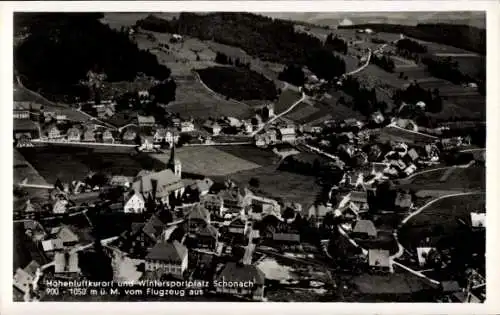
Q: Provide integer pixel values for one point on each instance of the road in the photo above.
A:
(416, 212)
(302, 98)
(84, 143)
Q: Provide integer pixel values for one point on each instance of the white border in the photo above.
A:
(490, 307)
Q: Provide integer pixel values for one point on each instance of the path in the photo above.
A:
(63, 141)
(303, 97)
(393, 125)
(414, 213)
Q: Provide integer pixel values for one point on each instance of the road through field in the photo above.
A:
(416, 212)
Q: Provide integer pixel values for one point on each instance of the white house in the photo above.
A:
(134, 204)
(478, 219)
(287, 134)
(187, 126)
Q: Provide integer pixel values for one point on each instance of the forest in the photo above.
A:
(61, 48)
(262, 37)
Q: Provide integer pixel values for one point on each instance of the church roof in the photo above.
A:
(166, 182)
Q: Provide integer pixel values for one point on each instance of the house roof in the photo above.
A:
(166, 183)
(359, 196)
(478, 219)
(66, 262)
(403, 200)
(52, 244)
(204, 184)
(173, 252)
(294, 237)
(413, 154)
(237, 272)
(237, 221)
(32, 267)
(22, 280)
(421, 252)
(366, 227)
(141, 198)
(379, 258)
(73, 131)
(208, 230)
(198, 211)
(145, 119)
(154, 226)
(67, 235)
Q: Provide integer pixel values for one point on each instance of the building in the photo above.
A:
(147, 143)
(120, 180)
(286, 237)
(213, 203)
(364, 229)
(129, 136)
(24, 278)
(317, 213)
(74, 134)
(237, 226)
(197, 217)
(52, 245)
(187, 126)
(207, 237)
(160, 185)
(171, 137)
(168, 257)
(241, 280)
(108, 136)
(478, 220)
(287, 134)
(65, 234)
(145, 121)
(21, 113)
(53, 132)
(360, 199)
(403, 201)
(89, 135)
(212, 127)
(379, 259)
(60, 206)
(66, 264)
(422, 254)
(134, 204)
(232, 201)
(202, 186)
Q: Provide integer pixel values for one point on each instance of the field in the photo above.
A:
(440, 220)
(207, 160)
(397, 283)
(72, 163)
(278, 184)
(250, 153)
(398, 134)
(193, 99)
(458, 180)
(285, 100)
(23, 170)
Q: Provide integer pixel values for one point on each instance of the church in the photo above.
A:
(163, 184)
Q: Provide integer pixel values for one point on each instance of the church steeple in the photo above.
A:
(174, 164)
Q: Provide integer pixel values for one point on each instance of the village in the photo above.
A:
(252, 207)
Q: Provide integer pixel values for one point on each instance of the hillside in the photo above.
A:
(262, 37)
(461, 36)
(238, 83)
(60, 49)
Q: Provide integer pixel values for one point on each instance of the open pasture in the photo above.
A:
(278, 184)
(194, 99)
(208, 160)
(456, 179)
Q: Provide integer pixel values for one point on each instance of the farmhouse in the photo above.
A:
(365, 229)
(74, 134)
(66, 263)
(168, 257)
(241, 280)
(134, 204)
(145, 121)
(212, 127)
(287, 134)
(379, 259)
(187, 126)
(53, 132)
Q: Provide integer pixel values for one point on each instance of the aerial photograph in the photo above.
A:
(249, 156)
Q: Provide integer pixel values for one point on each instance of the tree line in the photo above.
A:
(384, 62)
(336, 43)
(62, 47)
(364, 99)
(415, 93)
(224, 59)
